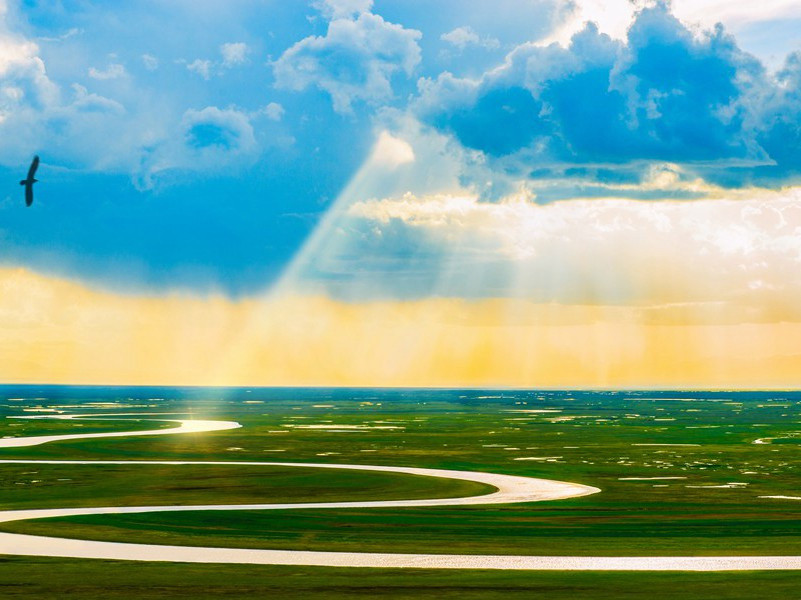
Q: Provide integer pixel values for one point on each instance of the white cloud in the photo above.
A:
(234, 53)
(22, 69)
(211, 140)
(335, 9)
(273, 111)
(391, 151)
(112, 71)
(613, 17)
(72, 32)
(76, 128)
(354, 61)
(608, 250)
(225, 129)
(85, 101)
(151, 62)
(201, 67)
(462, 37)
(735, 14)
(26, 92)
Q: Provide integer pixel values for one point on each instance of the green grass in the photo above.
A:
(56, 579)
(31, 427)
(49, 486)
(594, 438)
(509, 530)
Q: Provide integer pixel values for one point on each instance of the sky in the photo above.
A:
(534, 193)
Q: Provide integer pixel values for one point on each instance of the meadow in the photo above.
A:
(681, 473)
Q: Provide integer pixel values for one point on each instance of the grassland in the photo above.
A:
(55, 579)
(702, 442)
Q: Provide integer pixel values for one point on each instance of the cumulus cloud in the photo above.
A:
(273, 111)
(462, 37)
(72, 32)
(598, 104)
(88, 102)
(81, 128)
(213, 128)
(36, 114)
(151, 62)
(601, 101)
(390, 151)
(201, 67)
(211, 140)
(354, 61)
(23, 77)
(233, 53)
(335, 9)
(75, 127)
(779, 126)
(613, 17)
(112, 71)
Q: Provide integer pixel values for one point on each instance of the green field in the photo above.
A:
(54, 579)
(702, 442)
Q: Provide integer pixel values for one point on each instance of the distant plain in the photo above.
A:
(680, 474)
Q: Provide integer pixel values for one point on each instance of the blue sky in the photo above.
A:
(198, 145)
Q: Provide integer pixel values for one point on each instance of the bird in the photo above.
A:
(29, 181)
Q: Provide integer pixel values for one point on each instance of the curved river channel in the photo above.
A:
(508, 489)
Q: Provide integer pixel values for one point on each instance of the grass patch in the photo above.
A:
(47, 579)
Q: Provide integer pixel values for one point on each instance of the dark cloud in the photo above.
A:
(500, 122)
(666, 94)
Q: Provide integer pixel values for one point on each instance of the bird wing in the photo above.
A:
(34, 166)
(28, 194)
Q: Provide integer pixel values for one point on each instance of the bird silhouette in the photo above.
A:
(29, 181)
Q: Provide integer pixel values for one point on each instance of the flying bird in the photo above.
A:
(28, 183)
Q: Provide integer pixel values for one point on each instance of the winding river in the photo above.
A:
(509, 489)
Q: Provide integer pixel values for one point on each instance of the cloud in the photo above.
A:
(733, 250)
(73, 127)
(779, 126)
(23, 78)
(226, 130)
(462, 37)
(87, 102)
(85, 130)
(201, 67)
(112, 71)
(390, 151)
(151, 62)
(597, 107)
(354, 61)
(336, 9)
(273, 111)
(665, 93)
(233, 53)
(209, 140)
(78, 129)
(72, 32)
(613, 17)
